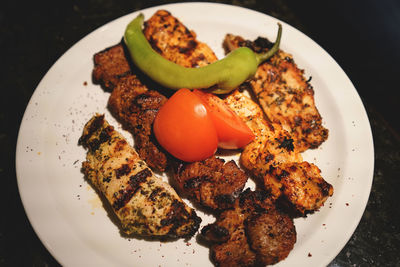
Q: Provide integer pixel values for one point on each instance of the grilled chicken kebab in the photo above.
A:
(275, 161)
(144, 204)
(284, 94)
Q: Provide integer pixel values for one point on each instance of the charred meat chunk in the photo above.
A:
(110, 65)
(252, 233)
(136, 107)
(212, 183)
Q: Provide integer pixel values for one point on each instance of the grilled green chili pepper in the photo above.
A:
(225, 74)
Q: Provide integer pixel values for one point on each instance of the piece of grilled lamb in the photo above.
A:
(212, 183)
(252, 233)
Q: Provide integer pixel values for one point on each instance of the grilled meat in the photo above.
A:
(169, 37)
(110, 65)
(253, 233)
(300, 184)
(275, 161)
(212, 183)
(144, 204)
(271, 146)
(284, 94)
(136, 107)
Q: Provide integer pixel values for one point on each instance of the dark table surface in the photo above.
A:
(362, 36)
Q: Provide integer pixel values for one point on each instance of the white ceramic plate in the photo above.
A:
(67, 214)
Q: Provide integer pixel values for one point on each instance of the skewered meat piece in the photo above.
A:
(143, 203)
(212, 183)
(253, 233)
(275, 161)
(284, 94)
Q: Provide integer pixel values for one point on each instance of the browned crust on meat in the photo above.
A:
(212, 183)
(299, 183)
(174, 41)
(110, 65)
(253, 233)
(273, 159)
(136, 107)
(285, 95)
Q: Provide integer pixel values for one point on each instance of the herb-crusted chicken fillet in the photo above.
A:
(275, 161)
(284, 94)
(175, 42)
(144, 204)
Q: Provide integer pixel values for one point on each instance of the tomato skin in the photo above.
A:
(182, 126)
(232, 132)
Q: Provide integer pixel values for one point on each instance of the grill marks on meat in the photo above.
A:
(300, 184)
(276, 162)
(136, 106)
(169, 37)
(131, 100)
(284, 94)
(212, 183)
(143, 203)
(252, 233)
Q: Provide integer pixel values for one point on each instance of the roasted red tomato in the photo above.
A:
(232, 132)
(182, 126)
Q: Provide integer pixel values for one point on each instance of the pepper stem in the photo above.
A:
(261, 57)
